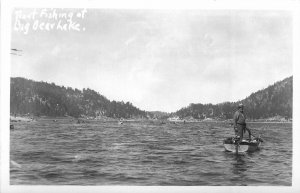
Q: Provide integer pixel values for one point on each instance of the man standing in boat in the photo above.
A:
(239, 122)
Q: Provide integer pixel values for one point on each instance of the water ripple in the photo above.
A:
(145, 153)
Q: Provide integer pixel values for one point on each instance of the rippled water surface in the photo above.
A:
(145, 153)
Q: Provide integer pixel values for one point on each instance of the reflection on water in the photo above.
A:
(239, 166)
(145, 153)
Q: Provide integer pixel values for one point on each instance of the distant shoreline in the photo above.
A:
(28, 118)
(22, 118)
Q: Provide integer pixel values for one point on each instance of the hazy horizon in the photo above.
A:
(161, 60)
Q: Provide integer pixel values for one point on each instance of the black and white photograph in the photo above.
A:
(149, 97)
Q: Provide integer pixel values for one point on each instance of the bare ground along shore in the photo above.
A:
(35, 118)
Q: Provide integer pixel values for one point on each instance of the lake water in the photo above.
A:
(145, 153)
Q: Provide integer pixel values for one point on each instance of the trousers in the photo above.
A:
(239, 131)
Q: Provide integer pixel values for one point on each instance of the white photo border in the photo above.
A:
(6, 13)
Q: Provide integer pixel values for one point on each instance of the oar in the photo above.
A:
(255, 136)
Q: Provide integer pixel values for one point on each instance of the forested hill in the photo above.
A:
(41, 98)
(275, 100)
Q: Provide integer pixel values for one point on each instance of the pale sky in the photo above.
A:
(162, 59)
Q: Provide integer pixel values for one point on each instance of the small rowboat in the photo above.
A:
(231, 145)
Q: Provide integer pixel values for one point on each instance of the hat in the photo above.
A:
(240, 105)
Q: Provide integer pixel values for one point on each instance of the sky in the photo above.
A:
(158, 59)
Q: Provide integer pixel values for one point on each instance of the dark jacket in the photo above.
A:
(239, 119)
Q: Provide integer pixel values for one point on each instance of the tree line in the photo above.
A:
(275, 100)
(42, 98)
